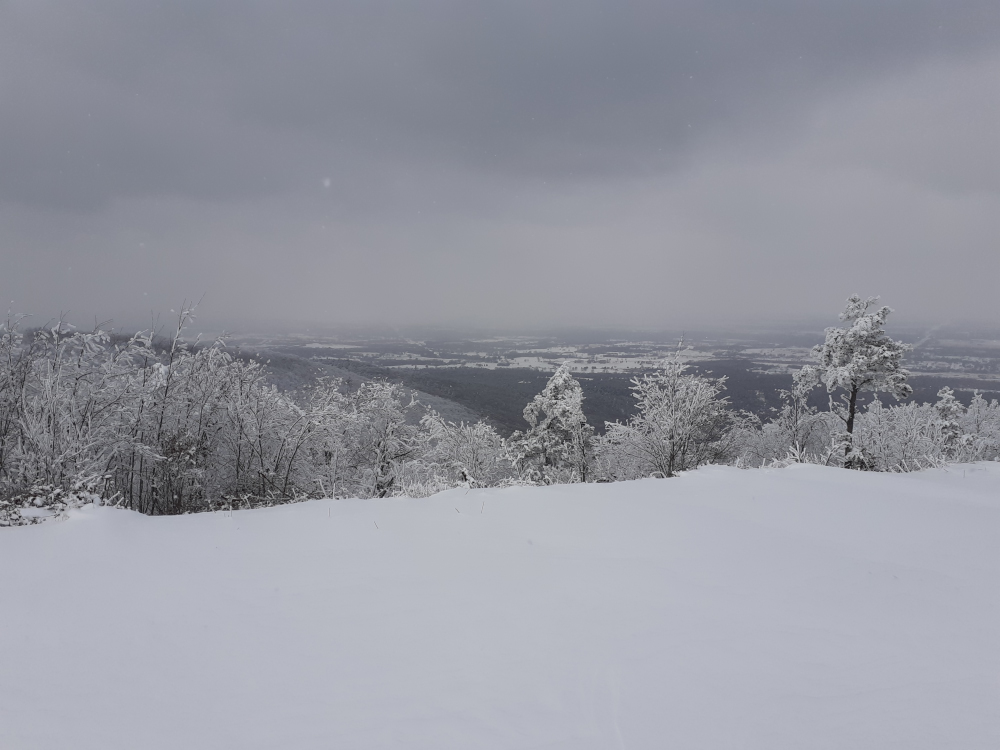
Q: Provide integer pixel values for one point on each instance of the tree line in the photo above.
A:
(168, 427)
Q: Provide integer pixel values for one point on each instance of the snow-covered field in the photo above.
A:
(792, 608)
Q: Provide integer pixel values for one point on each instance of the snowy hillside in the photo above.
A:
(792, 608)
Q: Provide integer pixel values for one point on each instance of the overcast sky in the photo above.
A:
(509, 163)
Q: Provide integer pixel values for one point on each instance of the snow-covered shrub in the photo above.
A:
(65, 394)
(682, 422)
(471, 455)
(799, 433)
(201, 425)
(159, 429)
(897, 438)
(913, 436)
(980, 425)
(44, 502)
(902, 437)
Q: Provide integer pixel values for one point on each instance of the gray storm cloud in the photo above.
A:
(499, 162)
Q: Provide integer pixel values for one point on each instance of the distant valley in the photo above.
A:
(466, 376)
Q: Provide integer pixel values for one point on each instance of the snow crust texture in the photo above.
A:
(791, 608)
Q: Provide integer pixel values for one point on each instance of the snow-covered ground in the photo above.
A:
(792, 608)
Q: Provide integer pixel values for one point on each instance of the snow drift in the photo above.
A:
(791, 608)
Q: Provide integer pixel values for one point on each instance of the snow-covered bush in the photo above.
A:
(980, 425)
(913, 436)
(43, 502)
(471, 455)
(64, 394)
(902, 437)
(682, 422)
(157, 428)
(799, 432)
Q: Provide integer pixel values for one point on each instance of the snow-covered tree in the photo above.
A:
(860, 357)
(949, 422)
(378, 437)
(555, 447)
(16, 369)
(681, 423)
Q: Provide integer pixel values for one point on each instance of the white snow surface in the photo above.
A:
(790, 608)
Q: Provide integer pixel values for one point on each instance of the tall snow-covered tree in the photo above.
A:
(860, 357)
(555, 447)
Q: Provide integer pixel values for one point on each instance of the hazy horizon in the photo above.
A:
(207, 327)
